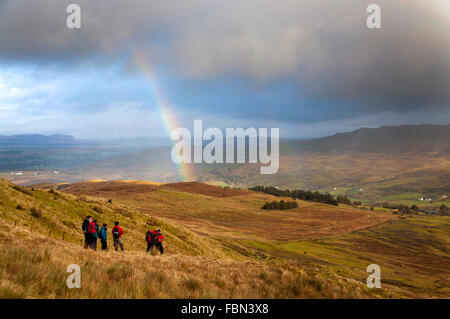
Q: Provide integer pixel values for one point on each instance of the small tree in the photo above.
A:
(343, 199)
(281, 205)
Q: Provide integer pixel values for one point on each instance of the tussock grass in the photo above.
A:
(221, 248)
(63, 218)
(36, 268)
(36, 212)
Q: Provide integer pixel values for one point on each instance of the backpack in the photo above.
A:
(102, 233)
(85, 225)
(155, 235)
(159, 238)
(116, 233)
(95, 234)
(149, 237)
(91, 228)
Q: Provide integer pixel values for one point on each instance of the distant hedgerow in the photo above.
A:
(281, 205)
(403, 209)
(343, 199)
(297, 194)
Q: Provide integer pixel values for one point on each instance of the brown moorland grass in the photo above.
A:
(413, 253)
(35, 267)
(239, 214)
(62, 215)
(108, 188)
(205, 189)
(217, 247)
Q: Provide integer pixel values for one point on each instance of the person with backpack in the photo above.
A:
(117, 233)
(93, 234)
(92, 230)
(84, 228)
(149, 240)
(155, 238)
(103, 235)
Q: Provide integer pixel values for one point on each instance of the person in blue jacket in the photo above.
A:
(102, 234)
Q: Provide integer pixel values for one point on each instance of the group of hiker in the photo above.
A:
(92, 232)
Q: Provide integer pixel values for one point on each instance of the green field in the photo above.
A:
(404, 196)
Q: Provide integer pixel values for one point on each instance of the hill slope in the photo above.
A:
(218, 212)
(384, 139)
(222, 247)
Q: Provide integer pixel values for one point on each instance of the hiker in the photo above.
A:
(84, 227)
(93, 234)
(117, 233)
(103, 235)
(154, 238)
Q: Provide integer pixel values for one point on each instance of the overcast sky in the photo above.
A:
(309, 67)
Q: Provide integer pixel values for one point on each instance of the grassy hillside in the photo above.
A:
(219, 244)
(62, 215)
(215, 211)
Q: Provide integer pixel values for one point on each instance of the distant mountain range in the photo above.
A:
(382, 139)
(36, 140)
(33, 140)
(380, 161)
(37, 152)
(385, 138)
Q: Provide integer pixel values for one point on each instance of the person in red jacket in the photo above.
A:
(93, 234)
(117, 233)
(155, 238)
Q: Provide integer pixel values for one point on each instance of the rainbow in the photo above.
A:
(163, 107)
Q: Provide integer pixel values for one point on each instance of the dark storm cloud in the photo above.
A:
(405, 65)
(322, 48)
